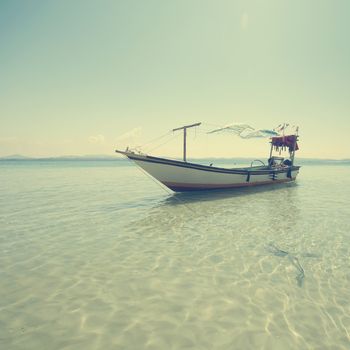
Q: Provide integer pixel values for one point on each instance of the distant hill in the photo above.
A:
(310, 161)
(228, 161)
(85, 157)
(14, 157)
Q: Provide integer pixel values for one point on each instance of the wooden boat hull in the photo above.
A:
(182, 176)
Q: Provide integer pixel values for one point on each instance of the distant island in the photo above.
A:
(54, 158)
(103, 157)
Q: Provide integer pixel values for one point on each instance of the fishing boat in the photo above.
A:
(182, 176)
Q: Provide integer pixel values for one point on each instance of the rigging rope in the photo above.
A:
(156, 139)
(147, 146)
(173, 137)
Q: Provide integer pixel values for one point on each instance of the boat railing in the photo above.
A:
(257, 160)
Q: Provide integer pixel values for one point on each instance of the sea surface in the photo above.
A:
(96, 255)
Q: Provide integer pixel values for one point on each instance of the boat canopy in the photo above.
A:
(284, 142)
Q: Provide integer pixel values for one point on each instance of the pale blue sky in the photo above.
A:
(77, 74)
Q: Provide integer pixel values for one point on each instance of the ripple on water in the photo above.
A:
(92, 260)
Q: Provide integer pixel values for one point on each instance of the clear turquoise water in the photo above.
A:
(94, 255)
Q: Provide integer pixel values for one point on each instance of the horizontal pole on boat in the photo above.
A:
(187, 126)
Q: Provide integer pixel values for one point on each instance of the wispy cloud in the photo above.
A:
(97, 139)
(130, 135)
(244, 21)
(130, 138)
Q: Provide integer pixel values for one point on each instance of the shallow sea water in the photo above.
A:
(95, 255)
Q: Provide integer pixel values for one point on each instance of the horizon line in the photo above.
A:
(117, 157)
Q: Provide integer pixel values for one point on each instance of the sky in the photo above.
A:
(86, 77)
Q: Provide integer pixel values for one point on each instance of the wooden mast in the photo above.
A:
(293, 152)
(185, 135)
(271, 149)
(294, 145)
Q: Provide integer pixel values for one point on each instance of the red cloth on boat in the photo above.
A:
(285, 141)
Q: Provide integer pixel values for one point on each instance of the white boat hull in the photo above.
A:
(182, 176)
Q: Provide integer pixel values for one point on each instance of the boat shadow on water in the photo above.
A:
(179, 198)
